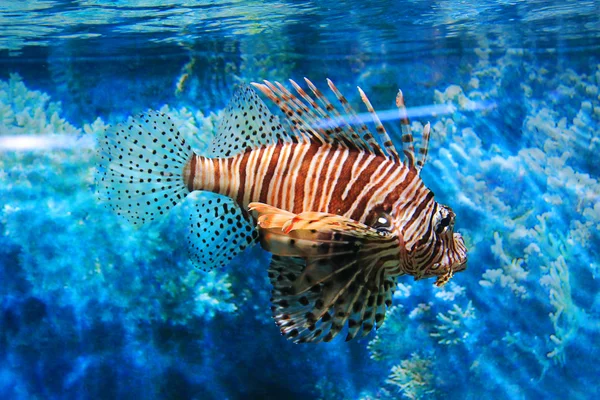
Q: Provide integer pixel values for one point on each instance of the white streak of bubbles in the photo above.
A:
(45, 142)
(412, 112)
(60, 142)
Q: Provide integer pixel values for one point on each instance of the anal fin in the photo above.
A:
(218, 231)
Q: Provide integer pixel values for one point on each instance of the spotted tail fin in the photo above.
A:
(140, 172)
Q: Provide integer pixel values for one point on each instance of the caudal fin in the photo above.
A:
(140, 175)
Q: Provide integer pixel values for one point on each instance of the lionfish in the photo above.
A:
(341, 213)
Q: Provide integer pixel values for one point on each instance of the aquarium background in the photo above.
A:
(92, 308)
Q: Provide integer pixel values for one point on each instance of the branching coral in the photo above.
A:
(413, 377)
(450, 292)
(566, 315)
(452, 328)
(212, 294)
(200, 129)
(76, 252)
(396, 321)
(511, 275)
(28, 112)
(400, 333)
(539, 201)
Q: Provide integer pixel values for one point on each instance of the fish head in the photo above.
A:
(447, 248)
(434, 249)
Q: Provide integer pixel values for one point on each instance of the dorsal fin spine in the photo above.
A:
(328, 106)
(309, 99)
(357, 142)
(330, 109)
(387, 143)
(358, 137)
(407, 138)
(269, 90)
(266, 90)
(314, 118)
(370, 145)
(284, 105)
(424, 149)
(337, 117)
(303, 112)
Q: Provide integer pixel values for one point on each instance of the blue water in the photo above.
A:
(92, 308)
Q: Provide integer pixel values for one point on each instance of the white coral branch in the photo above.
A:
(452, 329)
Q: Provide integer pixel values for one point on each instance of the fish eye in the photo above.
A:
(446, 220)
(382, 222)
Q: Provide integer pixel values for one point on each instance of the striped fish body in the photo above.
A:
(342, 214)
(303, 177)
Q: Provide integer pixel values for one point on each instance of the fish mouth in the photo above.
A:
(439, 269)
(460, 265)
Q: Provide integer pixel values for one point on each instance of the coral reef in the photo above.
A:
(28, 112)
(91, 307)
(511, 273)
(77, 261)
(413, 377)
(51, 192)
(565, 318)
(529, 211)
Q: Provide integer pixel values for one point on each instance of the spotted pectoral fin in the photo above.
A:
(314, 299)
(311, 234)
(327, 271)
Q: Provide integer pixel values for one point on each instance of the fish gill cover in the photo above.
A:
(91, 307)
